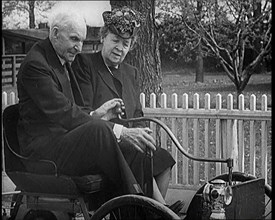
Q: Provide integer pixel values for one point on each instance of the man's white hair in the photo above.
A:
(63, 15)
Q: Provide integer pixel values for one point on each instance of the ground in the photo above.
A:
(181, 82)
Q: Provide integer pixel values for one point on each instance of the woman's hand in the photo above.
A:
(110, 109)
(139, 138)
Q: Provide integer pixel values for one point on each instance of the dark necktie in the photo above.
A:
(78, 98)
(67, 87)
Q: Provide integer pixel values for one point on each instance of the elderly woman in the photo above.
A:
(104, 75)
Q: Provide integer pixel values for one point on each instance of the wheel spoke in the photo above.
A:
(134, 207)
(266, 205)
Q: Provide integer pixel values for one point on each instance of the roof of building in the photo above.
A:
(28, 34)
(40, 34)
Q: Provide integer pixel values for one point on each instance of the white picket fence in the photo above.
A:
(10, 67)
(244, 134)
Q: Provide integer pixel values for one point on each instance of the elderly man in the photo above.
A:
(104, 75)
(52, 126)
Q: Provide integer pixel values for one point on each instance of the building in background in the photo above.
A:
(17, 42)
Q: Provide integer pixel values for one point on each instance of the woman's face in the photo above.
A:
(115, 49)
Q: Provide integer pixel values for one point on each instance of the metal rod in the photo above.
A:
(228, 161)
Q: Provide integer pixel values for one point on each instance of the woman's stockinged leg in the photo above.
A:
(156, 193)
(160, 185)
(162, 181)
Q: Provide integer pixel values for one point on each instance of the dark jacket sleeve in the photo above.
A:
(43, 89)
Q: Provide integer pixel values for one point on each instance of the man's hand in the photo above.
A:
(140, 138)
(110, 109)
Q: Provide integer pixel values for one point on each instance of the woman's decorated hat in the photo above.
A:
(123, 21)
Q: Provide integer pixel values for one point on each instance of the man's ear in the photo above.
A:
(55, 32)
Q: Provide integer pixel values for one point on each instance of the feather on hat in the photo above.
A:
(124, 21)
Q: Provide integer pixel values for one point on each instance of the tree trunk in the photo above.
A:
(199, 66)
(257, 44)
(145, 56)
(31, 15)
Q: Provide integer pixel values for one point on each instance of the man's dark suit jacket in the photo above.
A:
(46, 106)
(97, 85)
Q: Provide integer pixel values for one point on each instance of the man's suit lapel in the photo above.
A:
(75, 87)
(105, 74)
(60, 73)
(55, 64)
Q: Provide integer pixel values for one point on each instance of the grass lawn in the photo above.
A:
(181, 82)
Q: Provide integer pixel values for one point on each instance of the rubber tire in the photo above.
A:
(159, 210)
(39, 215)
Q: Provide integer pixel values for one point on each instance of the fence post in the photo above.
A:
(142, 100)
(185, 141)
(153, 104)
(264, 140)
(234, 152)
(3, 155)
(4, 104)
(232, 141)
(174, 149)
(227, 146)
(241, 135)
(13, 71)
(163, 137)
(218, 133)
(12, 99)
(252, 137)
(196, 173)
(4, 99)
(206, 135)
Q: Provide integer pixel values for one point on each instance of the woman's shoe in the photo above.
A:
(176, 207)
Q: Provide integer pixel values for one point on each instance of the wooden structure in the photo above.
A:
(20, 41)
(16, 43)
(244, 134)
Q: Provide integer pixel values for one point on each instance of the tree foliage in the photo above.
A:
(175, 40)
(24, 11)
(230, 30)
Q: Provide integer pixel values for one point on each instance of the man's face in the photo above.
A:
(69, 41)
(115, 49)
